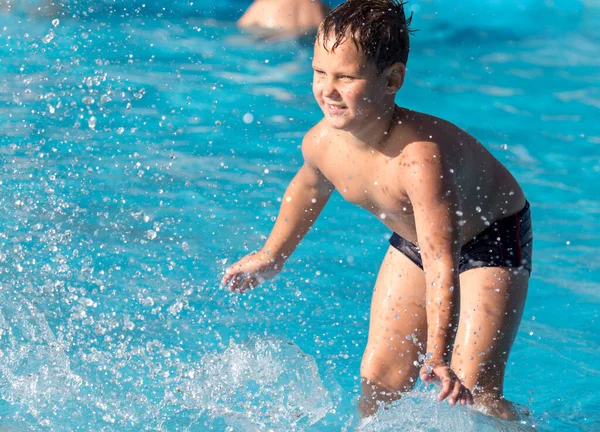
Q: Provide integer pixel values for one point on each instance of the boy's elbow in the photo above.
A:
(321, 191)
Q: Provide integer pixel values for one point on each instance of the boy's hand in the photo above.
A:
(250, 271)
(452, 388)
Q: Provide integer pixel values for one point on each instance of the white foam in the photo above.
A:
(34, 369)
(420, 411)
(264, 384)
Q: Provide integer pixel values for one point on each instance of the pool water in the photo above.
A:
(144, 148)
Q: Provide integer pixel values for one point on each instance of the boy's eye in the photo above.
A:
(347, 77)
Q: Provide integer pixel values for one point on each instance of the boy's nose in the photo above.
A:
(329, 89)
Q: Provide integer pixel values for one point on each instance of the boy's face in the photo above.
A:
(347, 87)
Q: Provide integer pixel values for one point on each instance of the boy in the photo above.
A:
(451, 290)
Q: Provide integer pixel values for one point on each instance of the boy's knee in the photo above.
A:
(387, 376)
(373, 395)
(378, 390)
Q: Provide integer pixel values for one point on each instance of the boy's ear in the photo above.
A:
(395, 77)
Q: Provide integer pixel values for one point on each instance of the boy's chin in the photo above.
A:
(339, 123)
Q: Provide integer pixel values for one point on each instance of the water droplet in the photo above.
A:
(48, 38)
(248, 118)
(504, 147)
(175, 308)
(151, 234)
(55, 22)
(478, 209)
(382, 216)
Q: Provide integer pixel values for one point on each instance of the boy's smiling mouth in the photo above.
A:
(335, 110)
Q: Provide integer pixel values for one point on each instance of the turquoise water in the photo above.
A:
(143, 148)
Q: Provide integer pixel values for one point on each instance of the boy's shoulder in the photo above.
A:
(315, 141)
(422, 136)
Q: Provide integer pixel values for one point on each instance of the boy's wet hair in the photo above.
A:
(378, 28)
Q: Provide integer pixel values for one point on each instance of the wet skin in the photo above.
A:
(438, 187)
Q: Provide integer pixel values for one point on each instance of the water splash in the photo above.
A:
(420, 411)
(263, 384)
(35, 372)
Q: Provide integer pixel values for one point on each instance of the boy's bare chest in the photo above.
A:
(372, 183)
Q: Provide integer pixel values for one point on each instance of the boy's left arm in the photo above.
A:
(431, 186)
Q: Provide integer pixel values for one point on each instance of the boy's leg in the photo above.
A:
(397, 332)
(491, 305)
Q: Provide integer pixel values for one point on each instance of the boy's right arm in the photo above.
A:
(305, 197)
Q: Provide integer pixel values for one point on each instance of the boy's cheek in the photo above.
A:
(318, 98)
(316, 92)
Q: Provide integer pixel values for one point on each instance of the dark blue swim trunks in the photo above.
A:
(505, 243)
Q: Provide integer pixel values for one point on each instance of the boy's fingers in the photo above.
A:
(247, 284)
(232, 285)
(452, 388)
(455, 393)
(234, 282)
(226, 278)
(446, 388)
(426, 376)
(229, 273)
(466, 397)
(242, 287)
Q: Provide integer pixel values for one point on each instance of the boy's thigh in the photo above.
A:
(398, 323)
(492, 300)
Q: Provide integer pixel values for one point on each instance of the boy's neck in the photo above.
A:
(375, 134)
